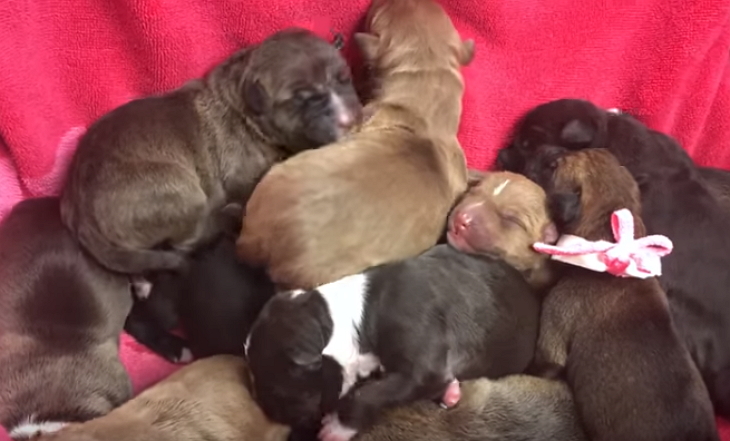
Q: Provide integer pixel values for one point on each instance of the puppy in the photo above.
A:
(424, 321)
(383, 193)
(679, 200)
(148, 176)
(208, 399)
(631, 376)
(61, 314)
(512, 408)
(504, 213)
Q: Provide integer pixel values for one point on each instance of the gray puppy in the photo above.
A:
(149, 178)
(512, 408)
(61, 314)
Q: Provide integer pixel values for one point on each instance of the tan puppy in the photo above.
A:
(631, 375)
(513, 408)
(206, 400)
(383, 193)
(504, 213)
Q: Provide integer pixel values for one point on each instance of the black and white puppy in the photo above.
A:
(423, 322)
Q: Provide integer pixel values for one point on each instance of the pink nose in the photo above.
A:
(462, 221)
(345, 118)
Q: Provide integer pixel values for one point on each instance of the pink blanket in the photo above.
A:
(66, 62)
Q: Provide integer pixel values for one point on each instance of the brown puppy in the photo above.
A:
(149, 178)
(512, 408)
(61, 314)
(208, 399)
(631, 376)
(504, 213)
(383, 193)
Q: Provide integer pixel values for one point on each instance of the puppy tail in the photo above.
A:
(127, 260)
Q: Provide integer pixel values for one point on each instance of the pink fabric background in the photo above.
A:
(66, 62)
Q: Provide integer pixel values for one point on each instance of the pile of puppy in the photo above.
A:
(339, 273)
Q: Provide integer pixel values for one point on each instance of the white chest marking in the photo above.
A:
(500, 187)
(345, 300)
(30, 427)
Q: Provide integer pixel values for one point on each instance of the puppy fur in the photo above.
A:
(503, 214)
(631, 376)
(686, 203)
(383, 193)
(424, 321)
(148, 175)
(512, 408)
(208, 399)
(61, 315)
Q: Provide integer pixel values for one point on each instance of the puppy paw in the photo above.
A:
(333, 430)
(141, 287)
(452, 395)
(186, 356)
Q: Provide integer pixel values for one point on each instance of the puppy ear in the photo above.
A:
(254, 96)
(466, 55)
(474, 177)
(509, 159)
(564, 208)
(578, 132)
(368, 44)
(549, 234)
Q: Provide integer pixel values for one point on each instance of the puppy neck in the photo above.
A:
(345, 300)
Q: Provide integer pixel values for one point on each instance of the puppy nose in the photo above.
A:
(344, 116)
(463, 221)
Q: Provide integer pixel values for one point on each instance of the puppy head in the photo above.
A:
(503, 213)
(584, 188)
(292, 382)
(569, 123)
(396, 27)
(297, 89)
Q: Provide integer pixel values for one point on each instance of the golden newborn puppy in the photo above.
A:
(383, 193)
(206, 400)
(504, 213)
(512, 408)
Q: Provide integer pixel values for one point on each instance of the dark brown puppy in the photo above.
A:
(512, 408)
(208, 399)
(61, 314)
(384, 193)
(630, 374)
(504, 213)
(679, 200)
(147, 176)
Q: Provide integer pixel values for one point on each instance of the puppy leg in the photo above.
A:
(141, 325)
(361, 407)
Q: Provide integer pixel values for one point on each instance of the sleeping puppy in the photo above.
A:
(424, 321)
(208, 399)
(61, 315)
(631, 376)
(149, 177)
(678, 201)
(512, 408)
(383, 193)
(503, 214)
(215, 300)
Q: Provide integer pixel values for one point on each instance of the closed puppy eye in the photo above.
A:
(513, 220)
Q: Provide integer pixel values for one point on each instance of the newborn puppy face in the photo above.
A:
(569, 123)
(299, 90)
(502, 213)
(584, 187)
(292, 382)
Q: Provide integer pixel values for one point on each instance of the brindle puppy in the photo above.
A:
(148, 176)
(504, 213)
(512, 408)
(630, 374)
(61, 314)
(688, 204)
(384, 193)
